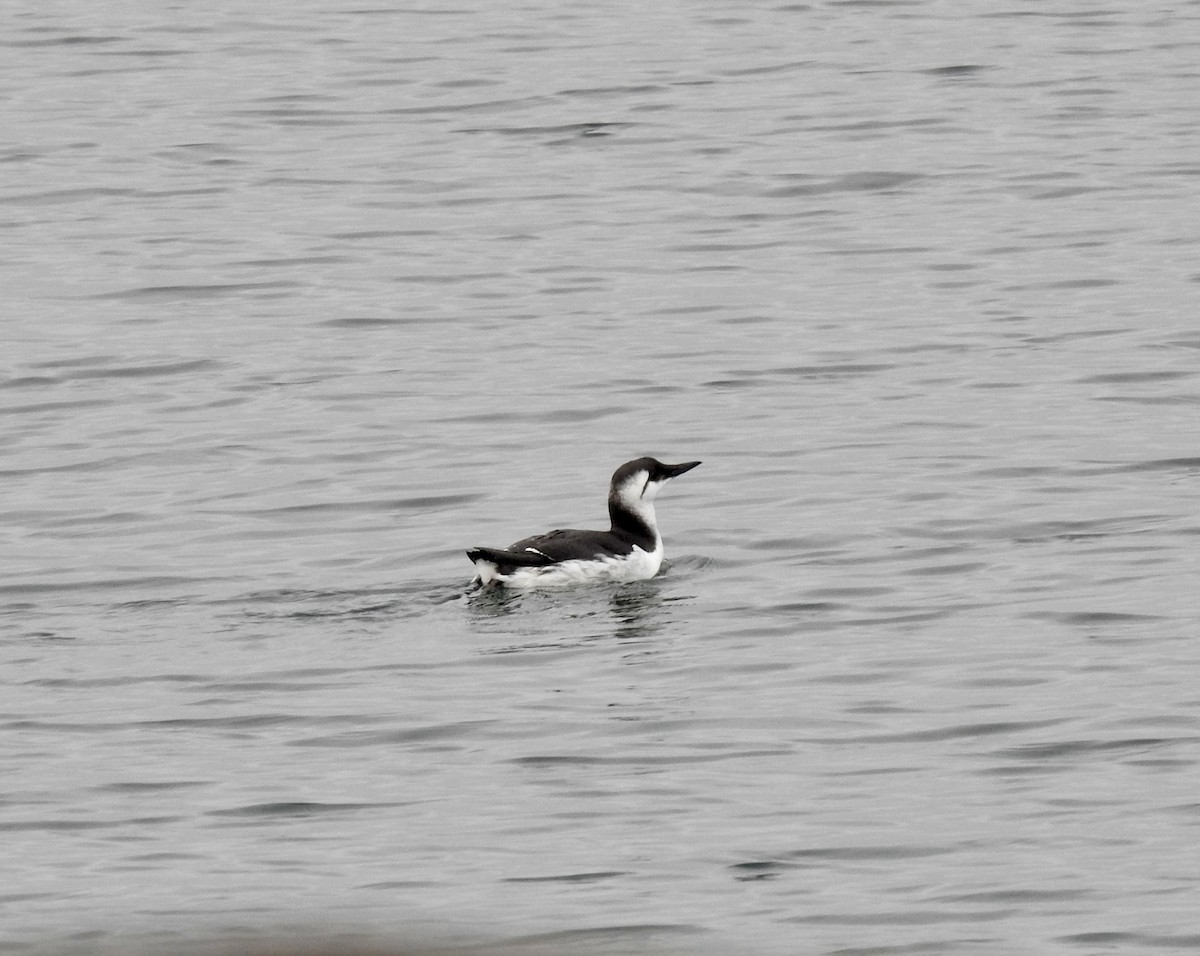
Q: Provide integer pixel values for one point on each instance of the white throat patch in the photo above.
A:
(636, 495)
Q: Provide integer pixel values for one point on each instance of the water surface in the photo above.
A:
(303, 300)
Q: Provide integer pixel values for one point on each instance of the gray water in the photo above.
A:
(302, 299)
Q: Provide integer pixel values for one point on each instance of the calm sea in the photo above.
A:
(303, 299)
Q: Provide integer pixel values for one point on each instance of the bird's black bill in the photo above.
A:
(674, 471)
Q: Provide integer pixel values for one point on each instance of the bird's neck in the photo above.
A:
(635, 521)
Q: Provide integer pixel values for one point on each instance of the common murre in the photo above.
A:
(630, 550)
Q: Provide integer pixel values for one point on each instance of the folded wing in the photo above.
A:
(505, 558)
(551, 548)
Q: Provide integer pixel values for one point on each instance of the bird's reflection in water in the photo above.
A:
(635, 613)
(485, 602)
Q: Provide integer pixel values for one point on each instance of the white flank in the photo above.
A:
(635, 566)
(487, 571)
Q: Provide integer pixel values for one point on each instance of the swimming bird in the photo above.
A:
(630, 550)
